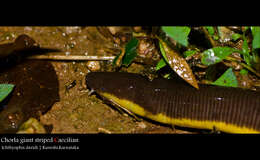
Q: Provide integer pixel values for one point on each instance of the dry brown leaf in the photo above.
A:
(179, 65)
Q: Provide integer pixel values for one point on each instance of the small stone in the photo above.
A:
(93, 65)
(67, 53)
(142, 125)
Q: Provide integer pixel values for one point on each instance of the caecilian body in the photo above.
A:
(227, 109)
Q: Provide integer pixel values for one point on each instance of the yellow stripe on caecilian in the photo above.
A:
(183, 122)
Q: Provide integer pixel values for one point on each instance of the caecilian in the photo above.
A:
(227, 109)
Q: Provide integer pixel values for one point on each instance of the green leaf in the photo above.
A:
(5, 90)
(167, 76)
(245, 48)
(227, 79)
(215, 55)
(245, 51)
(246, 28)
(235, 36)
(210, 30)
(160, 64)
(243, 72)
(216, 37)
(256, 37)
(255, 57)
(130, 51)
(189, 53)
(163, 52)
(180, 34)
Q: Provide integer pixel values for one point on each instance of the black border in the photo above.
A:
(148, 144)
(130, 13)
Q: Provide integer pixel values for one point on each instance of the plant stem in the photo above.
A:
(244, 65)
(212, 42)
(72, 57)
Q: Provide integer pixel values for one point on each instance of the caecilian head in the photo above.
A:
(94, 81)
(112, 82)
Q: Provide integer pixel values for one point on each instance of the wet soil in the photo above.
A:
(76, 111)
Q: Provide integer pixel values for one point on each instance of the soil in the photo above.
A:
(77, 111)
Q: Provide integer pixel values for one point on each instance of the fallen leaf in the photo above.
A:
(178, 64)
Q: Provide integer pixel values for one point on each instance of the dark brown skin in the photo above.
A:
(177, 99)
(22, 42)
(36, 90)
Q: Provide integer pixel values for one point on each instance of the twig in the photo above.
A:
(87, 58)
(72, 57)
(212, 42)
(103, 130)
(250, 69)
(244, 65)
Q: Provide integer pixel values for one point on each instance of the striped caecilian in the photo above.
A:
(227, 109)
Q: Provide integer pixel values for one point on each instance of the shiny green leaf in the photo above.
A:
(227, 79)
(130, 51)
(5, 90)
(236, 36)
(179, 34)
(189, 53)
(215, 55)
(256, 37)
(212, 33)
(210, 30)
(163, 53)
(160, 64)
